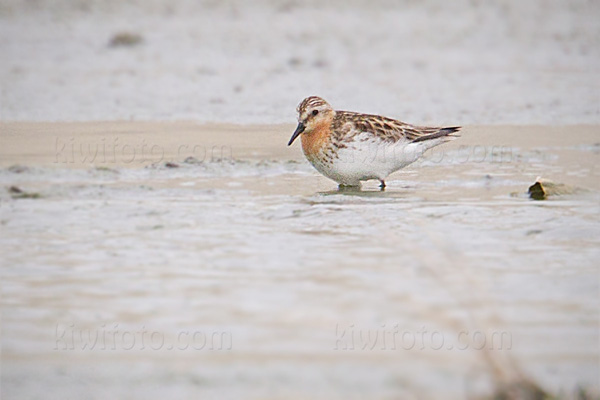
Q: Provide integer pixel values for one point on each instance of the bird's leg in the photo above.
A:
(382, 186)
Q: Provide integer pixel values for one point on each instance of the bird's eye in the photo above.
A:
(315, 112)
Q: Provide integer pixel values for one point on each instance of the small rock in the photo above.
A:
(533, 232)
(192, 160)
(170, 164)
(18, 193)
(542, 189)
(107, 169)
(295, 61)
(125, 39)
(18, 169)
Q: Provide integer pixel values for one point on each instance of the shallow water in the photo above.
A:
(285, 287)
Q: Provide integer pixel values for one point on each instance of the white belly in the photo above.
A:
(367, 157)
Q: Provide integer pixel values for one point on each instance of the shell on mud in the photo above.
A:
(542, 189)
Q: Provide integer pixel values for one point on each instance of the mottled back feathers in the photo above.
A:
(347, 124)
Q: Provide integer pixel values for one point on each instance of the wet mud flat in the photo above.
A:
(146, 260)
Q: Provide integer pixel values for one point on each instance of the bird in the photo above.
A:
(349, 147)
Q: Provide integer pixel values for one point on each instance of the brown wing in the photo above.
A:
(389, 130)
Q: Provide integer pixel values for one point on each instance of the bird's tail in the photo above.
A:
(443, 132)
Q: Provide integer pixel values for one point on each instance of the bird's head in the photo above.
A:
(312, 111)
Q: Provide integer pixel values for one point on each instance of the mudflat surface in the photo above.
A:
(242, 272)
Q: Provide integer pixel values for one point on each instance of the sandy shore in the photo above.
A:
(138, 144)
(247, 242)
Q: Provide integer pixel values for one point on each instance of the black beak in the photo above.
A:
(297, 133)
